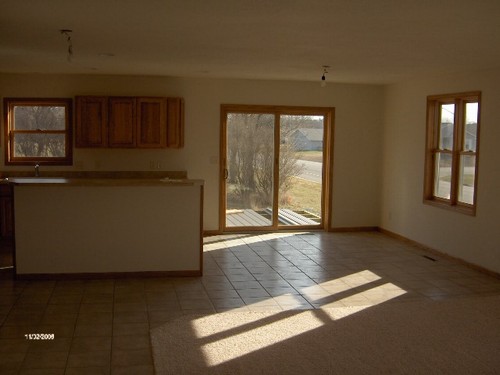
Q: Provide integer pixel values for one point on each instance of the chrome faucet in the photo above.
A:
(37, 170)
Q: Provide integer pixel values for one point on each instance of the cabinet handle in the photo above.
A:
(226, 173)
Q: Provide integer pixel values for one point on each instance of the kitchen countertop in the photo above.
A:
(63, 181)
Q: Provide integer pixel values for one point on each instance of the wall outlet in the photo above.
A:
(155, 165)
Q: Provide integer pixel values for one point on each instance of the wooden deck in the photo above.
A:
(289, 217)
(263, 218)
(246, 218)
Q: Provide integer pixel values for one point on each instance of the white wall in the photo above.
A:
(357, 145)
(473, 239)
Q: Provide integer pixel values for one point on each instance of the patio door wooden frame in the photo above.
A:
(328, 114)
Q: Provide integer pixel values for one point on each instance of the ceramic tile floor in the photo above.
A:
(102, 326)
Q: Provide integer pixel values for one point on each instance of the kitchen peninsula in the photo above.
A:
(88, 226)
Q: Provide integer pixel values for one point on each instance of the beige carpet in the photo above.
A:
(454, 336)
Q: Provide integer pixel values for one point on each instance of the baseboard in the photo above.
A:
(105, 275)
(407, 240)
(439, 253)
(208, 233)
(353, 229)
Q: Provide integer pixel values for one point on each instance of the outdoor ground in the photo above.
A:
(305, 195)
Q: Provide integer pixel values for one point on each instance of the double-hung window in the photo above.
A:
(38, 131)
(452, 148)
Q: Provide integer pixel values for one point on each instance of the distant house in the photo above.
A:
(308, 139)
(446, 136)
(470, 140)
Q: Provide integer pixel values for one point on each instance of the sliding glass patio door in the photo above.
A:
(274, 164)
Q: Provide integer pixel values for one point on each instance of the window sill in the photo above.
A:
(58, 162)
(461, 208)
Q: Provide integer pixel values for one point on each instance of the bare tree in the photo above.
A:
(37, 120)
(251, 158)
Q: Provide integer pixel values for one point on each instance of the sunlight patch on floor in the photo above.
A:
(221, 338)
(216, 243)
(255, 332)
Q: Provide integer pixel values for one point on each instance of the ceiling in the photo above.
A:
(363, 41)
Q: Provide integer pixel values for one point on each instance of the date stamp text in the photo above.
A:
(39, 336)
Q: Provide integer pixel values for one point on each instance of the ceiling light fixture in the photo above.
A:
(67, 34)
(323, 77)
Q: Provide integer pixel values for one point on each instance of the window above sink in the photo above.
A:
(38, 131)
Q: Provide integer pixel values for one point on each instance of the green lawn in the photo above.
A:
(304, 195)
(310, 155)
(468, 179)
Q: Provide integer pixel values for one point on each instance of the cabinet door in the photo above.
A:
(175, 123)
(6, 213)
(122, 122)
(91, 121)
(151, 122)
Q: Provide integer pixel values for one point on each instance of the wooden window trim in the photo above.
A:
(10, 103)
(432, 149)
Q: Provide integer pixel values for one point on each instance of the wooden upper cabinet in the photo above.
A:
(129, 122)
(175, 123)
(91, 121)
(151, 122)
(121, 122)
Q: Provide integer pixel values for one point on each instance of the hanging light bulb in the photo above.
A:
(323, 77)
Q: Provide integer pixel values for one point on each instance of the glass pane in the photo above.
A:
(39, 145)
(446, 126)
(470, 133)
(39, 118)
(250, 159)
(467, 177)
(300, 170)
(442, 176)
